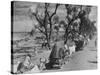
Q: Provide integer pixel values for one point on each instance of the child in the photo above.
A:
(42, 64)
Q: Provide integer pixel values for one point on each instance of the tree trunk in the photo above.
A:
(48, 41)
(66, 35)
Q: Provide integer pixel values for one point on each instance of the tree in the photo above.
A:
(44, 17)
(56, 19)
(78, 21)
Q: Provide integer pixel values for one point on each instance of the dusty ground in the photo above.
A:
(81, 60)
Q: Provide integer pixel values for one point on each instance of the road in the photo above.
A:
(82, 60)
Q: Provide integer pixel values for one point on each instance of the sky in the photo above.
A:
(23, 23)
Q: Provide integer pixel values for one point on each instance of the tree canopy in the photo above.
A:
(76, 21)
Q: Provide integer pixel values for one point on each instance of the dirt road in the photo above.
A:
(82, 60)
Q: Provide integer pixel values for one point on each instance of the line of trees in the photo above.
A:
(76, 22)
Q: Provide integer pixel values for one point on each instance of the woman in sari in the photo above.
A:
(25, 65)
(57, 53)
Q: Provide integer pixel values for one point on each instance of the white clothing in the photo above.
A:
(27, 61)
(72, 49)
(66, 47)
(34, 70)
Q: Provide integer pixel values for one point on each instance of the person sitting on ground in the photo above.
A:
(25, 65)
(42, 63)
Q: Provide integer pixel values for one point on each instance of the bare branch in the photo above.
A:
(37, 18)
(46, 7)
(54, 11)
(41, 30)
